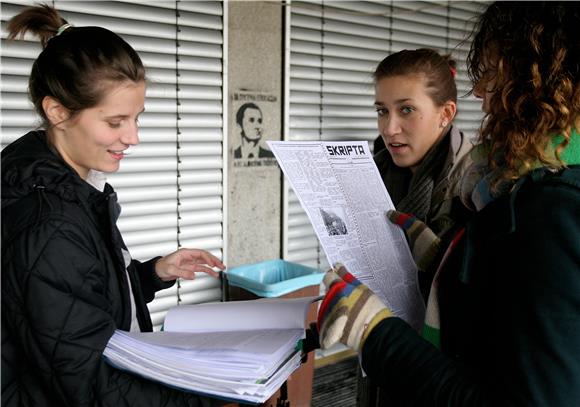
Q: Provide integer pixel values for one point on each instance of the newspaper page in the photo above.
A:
(341, 190)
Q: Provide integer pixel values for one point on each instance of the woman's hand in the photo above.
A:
(425, 246)
(185, 263)
(349, 311)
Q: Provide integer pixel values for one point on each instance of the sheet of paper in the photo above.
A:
(255, 342)
(280, 313)
(341, 190)
(249, 354)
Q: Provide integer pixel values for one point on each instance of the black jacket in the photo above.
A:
(509, 303)
(65, 288)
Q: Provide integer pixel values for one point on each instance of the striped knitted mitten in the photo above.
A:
(349, 310)
(424, 244)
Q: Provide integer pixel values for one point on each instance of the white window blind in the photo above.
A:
(334, 49)
(171, 187)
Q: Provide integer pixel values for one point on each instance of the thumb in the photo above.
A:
(401, 219)
(346, 275)
(423, 242)
(413, 227)
(330, 277)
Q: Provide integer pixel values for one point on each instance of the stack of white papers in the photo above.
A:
(242, 350)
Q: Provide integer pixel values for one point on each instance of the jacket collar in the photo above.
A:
(457, 141)
(476, 183)
(30, 164)
(399, 179)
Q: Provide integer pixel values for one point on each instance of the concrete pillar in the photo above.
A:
(255, 77)
(255, 52)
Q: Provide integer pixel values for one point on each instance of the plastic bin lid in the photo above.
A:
(273, 278)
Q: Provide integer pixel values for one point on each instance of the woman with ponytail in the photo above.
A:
(68, 281)
(423, 154)
(423, 157)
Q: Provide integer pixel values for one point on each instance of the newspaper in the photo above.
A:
(341, 190)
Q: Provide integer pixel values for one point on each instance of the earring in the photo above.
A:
(443, 124)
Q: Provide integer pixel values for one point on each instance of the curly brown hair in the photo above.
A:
(530, 53)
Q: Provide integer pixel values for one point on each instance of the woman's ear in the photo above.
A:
(448, 112)
(55, 112)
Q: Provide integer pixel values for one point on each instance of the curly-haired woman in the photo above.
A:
(507, 302)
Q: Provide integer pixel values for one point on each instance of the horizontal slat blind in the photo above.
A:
(18, 115)
(170, 188)
(334, 49)
(200, 136)
(300, 243)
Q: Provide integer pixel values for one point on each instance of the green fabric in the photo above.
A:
(432, 335)
(571, 154)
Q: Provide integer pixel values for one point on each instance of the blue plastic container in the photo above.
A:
(273, 278)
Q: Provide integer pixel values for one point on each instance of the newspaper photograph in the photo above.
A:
(341, 190)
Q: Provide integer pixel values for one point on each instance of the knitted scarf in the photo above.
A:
(418, 199)
(476, 193)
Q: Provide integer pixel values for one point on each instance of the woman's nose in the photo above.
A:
(131, 136)
(389, 126)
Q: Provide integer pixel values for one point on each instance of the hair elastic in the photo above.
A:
(62, 29)
(453, 71)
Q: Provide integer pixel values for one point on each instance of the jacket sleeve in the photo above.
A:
(399, 360)
(149, 281)
(65, 321)
(532, 324)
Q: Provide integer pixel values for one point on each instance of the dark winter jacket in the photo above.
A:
(509, 303)
(65, 288)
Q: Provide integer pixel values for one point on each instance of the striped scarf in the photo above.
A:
(418, 199)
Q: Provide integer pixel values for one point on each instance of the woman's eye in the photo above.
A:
(114, 125)
(406, 109)
(381, 112)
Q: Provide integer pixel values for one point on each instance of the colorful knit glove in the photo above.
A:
(349, 310)
(424, 244)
